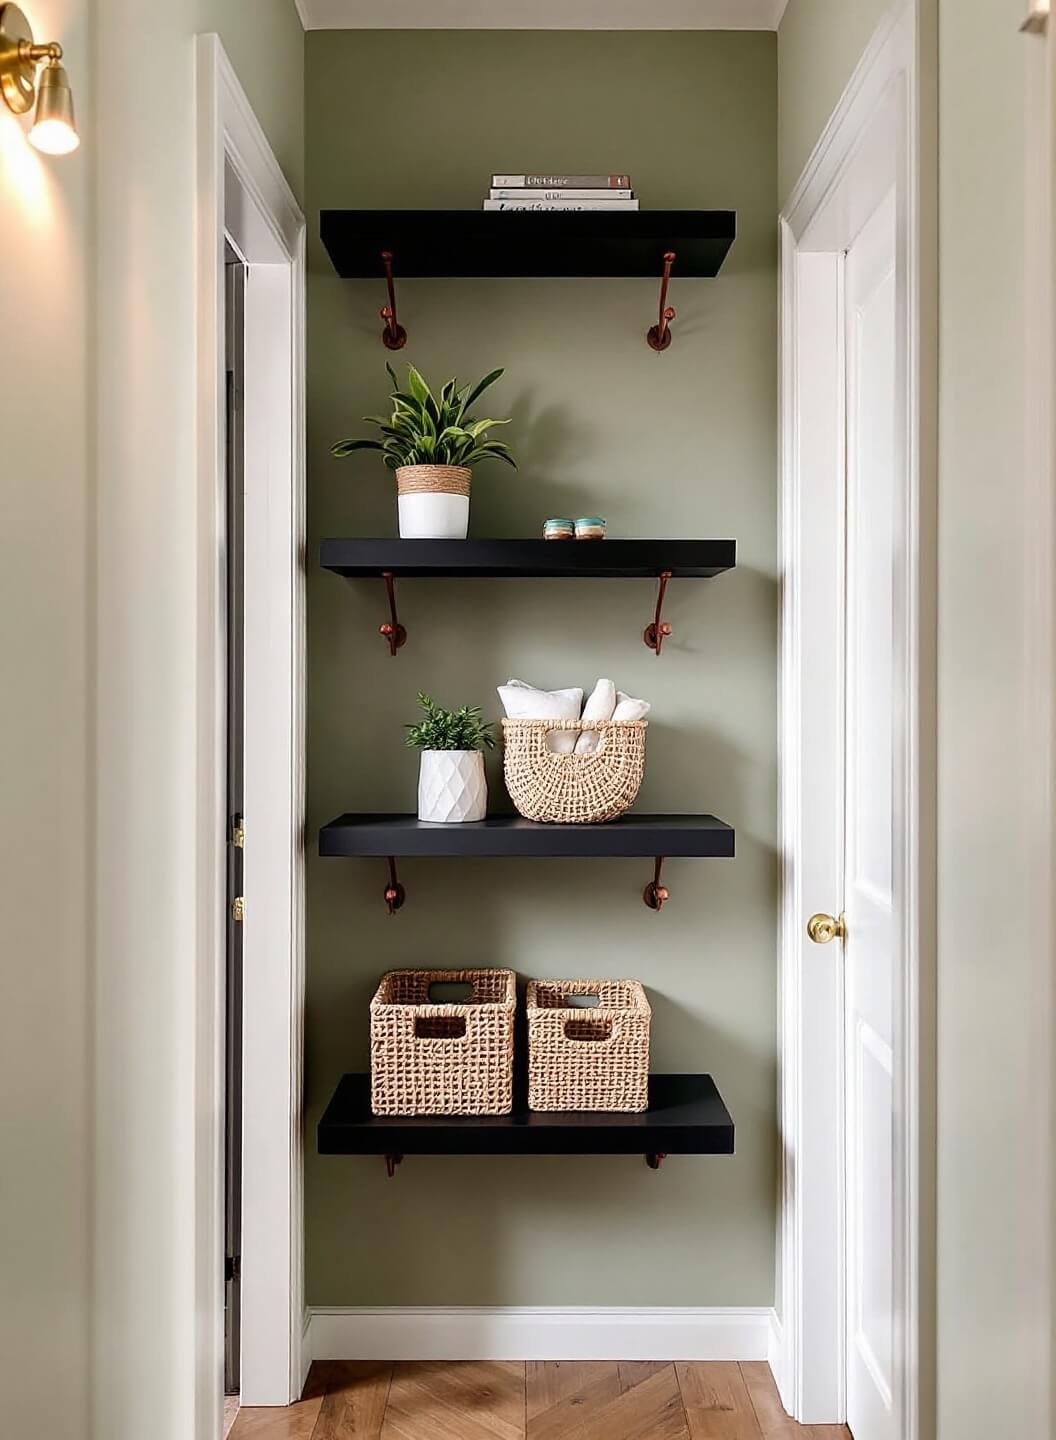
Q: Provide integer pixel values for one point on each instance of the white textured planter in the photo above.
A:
(433, 501)
(452, 786)
(434, 517)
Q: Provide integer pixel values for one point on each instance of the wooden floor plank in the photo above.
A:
(568, 1386)
(633, 1372)
(545, 1400)
(560, 1393)
(766, 1402)
(771, 1415)
(648, 1410)
(456, 1400)
(717, 1403)
(292, 1422)
(353, 1405)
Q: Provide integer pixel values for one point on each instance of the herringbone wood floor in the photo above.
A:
(543, 1400)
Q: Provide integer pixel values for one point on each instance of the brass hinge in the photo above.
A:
(238, 834)
(238, 908)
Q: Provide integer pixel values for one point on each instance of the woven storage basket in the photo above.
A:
(588, 1058)
(573, 789)
(442, 1059)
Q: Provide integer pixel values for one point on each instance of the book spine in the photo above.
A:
(561, 182)
(606, 205)
(500, 193)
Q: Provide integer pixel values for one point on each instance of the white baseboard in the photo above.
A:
(531, 1333)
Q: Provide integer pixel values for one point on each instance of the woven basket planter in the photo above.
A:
(588, 1058)
(442, 1059)
(573, 789)
(433, 501)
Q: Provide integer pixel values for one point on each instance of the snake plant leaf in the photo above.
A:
(476, 428)
(425, 429)
(421, 392)
(340, 448)
(479, 389)
(492, 450)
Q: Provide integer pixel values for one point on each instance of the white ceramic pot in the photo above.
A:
(452, 786)
(433, 501)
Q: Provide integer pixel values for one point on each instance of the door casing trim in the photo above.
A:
(243, 194)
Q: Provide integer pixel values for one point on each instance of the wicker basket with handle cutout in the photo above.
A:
(573, 789)
(450, 1058)
(593, 1057)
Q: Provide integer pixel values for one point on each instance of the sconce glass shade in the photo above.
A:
(54, 130)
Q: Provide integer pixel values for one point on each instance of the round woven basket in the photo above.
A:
(573, 789)
(433, 480)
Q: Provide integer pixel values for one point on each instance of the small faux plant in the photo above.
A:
(449, 729)
(424, 430)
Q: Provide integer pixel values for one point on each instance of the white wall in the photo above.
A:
(993, 1022)
(147, 1236)
(995, 1194)
(97, 1033)
(45, 642)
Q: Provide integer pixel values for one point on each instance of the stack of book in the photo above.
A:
(561, 192)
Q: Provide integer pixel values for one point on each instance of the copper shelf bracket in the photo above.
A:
(394, 336)
(392, 630)
(655, 1160)
(657, 632)
(395, 894)
(391, 1161)
(659, 335)
(654, 893)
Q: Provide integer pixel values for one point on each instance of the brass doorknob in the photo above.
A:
(823, 928)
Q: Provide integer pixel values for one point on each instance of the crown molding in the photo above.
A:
(541, 15)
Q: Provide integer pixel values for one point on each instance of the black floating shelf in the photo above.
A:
(530, 559)
(526, 243)
(686, 1116)
(525, 559)
(694, 836)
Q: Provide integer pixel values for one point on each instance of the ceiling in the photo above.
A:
(540, 14)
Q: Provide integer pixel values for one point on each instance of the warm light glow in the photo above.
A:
(24, 178)
(54, 137)
(1037, 17)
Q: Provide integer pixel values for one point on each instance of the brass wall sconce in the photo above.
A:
(54, 131)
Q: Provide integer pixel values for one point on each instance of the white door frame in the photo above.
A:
(872, 140)
(242, 195)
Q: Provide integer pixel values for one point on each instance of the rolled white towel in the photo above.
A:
(628, 708)
(600, 706)
(524, 702)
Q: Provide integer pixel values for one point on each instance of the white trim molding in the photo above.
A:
(872, 141)
(243, 196)
(542, 15)
(534, 1333)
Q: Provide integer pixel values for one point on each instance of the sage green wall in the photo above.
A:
(819, 42)
(265, 44)
(678, 444)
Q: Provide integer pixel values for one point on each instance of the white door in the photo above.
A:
(873, 819)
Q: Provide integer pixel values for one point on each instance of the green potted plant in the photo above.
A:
(432, 444)
(451, 782)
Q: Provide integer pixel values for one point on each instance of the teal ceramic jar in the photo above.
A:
(590, 527)
(558, 529)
